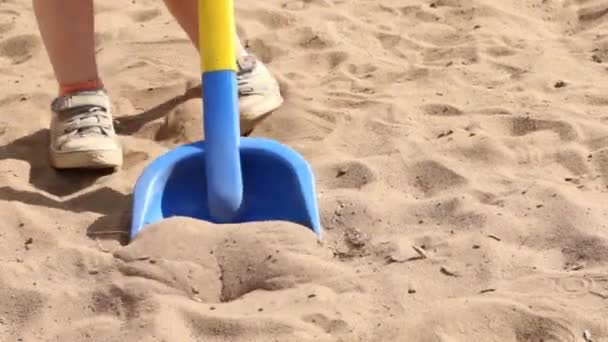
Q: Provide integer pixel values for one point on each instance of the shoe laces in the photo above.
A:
(248, 83)
(88, 120)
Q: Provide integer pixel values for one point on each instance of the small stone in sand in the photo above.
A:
(560, 84)
(587, 336)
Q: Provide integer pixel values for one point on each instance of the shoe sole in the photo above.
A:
(260, 113)
(86, 159)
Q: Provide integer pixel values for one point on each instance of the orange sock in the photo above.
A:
(65, 89)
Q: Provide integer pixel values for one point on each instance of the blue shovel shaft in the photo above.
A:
(222, 136)
(220, 102)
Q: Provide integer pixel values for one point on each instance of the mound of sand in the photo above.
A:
(461, 155)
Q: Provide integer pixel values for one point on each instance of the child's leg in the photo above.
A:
(81, 131)
(186, 14)
(67, 29)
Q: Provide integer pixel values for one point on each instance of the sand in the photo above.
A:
(461, 155)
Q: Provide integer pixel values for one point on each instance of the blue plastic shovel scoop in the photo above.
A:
(225, 178)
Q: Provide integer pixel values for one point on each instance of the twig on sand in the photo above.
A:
(420, 252)
(494, 237)
(599, 294)
(448, 272)
(396, 259)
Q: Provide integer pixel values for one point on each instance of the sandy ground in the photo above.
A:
(461, 155)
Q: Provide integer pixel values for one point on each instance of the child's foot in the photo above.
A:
(82, 132)
(259, 92)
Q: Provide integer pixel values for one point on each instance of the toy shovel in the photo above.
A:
(225, 178)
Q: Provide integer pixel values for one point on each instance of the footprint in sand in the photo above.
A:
(573, 160)
(19, 49)
(309, 39)
(584, 14)
(237, 329)
(333, 59)
(347, 175)
(441, 109)
(581, 248)
(521, 126)
(18, 309)
(431, 178)
(600, 162)
(119, 302)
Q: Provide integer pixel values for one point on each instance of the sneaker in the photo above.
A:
(82, 132)
(259, 92)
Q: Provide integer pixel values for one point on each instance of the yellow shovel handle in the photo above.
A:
(217, 35)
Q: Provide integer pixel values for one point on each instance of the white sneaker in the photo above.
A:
(82, 132)
(259, 92)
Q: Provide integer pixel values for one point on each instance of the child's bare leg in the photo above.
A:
(186, 14)
(81, 131)
(67, 30)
